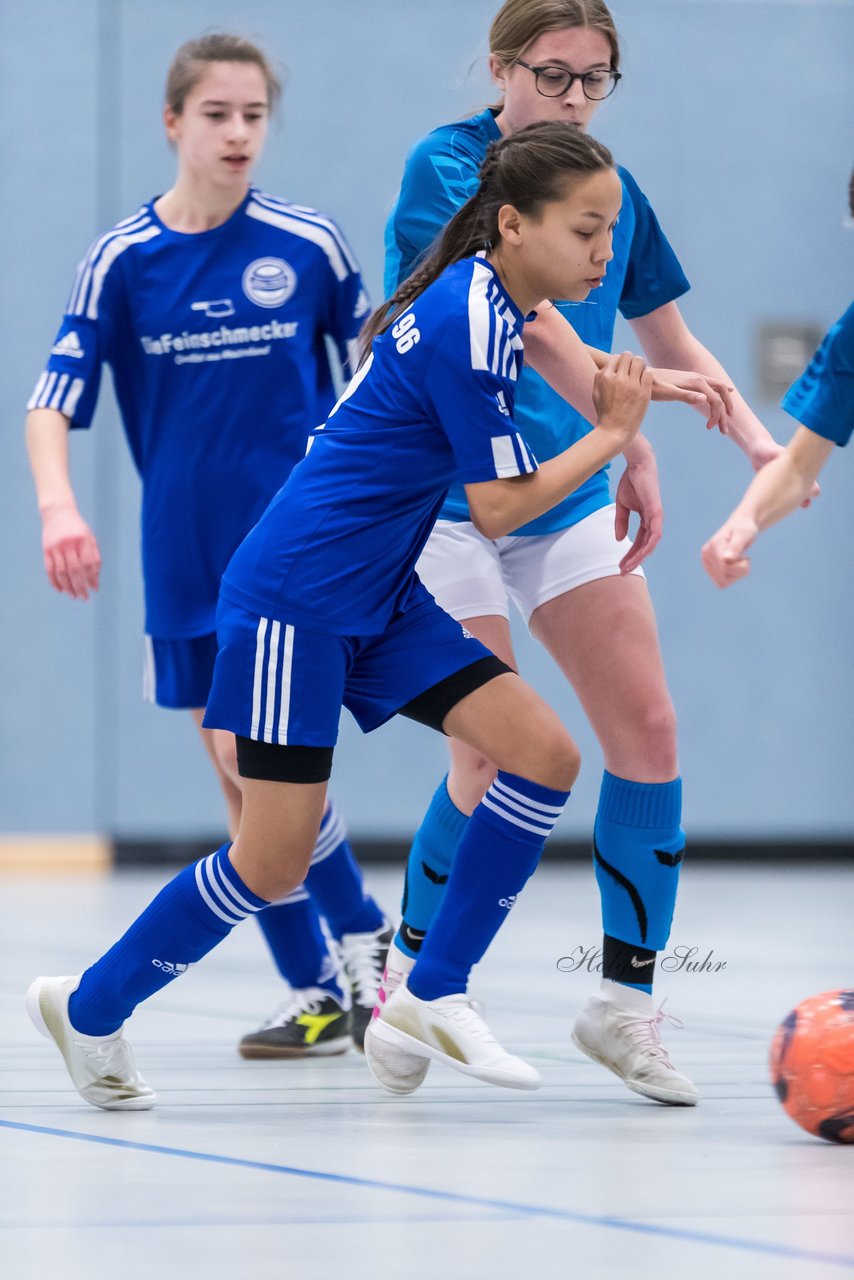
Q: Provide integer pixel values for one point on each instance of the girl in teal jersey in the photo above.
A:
(573, 574)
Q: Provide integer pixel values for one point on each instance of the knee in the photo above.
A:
(557, 763)
(270, 872)
(566, 760)
(658, 731)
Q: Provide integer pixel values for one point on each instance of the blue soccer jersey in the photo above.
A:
(433, 403)
(441, 174)
(823, 397)
(217, 344)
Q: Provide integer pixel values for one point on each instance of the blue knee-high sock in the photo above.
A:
(335, 881)
(186, 920)
(428, 867)
(496, 856)
(297, 943)
(638, 846)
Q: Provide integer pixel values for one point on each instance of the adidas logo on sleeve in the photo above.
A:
(69, 345)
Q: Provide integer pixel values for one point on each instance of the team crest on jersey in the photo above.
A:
(269, 282)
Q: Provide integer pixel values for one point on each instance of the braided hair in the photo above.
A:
(526, 170)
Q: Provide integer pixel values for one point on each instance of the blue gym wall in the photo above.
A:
(735, 117)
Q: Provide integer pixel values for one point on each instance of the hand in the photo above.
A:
(724, 555)
(638, 491)
(71, 555)
(710, 396)
(621, 393)
(766, 452)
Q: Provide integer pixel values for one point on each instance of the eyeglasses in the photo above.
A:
(554, 82)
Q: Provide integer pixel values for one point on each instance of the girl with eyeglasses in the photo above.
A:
(573, 573)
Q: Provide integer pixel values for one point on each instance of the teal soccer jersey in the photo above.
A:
(441, 174)
(823, 397)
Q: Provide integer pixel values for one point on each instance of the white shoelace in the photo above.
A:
(467, 1014)
(111, 1058)
(646, 1029)
(364, 958)
(308, 1000)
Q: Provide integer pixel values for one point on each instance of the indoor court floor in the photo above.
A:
(307, 1169)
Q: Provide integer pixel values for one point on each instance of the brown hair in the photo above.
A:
(527, 170)
(519, 23)
(189, 64)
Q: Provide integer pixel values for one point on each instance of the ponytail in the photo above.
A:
(527, 170)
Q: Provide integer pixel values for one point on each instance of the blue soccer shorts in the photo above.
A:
(178, 673)
(282, 684)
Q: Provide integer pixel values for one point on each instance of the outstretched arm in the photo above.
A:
(776, 491)
(668, 342)
(554, 349)
(71, 556)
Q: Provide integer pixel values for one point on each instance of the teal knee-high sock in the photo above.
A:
(638, 846)
(428, 867)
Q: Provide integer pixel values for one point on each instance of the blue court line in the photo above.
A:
(451, 1197)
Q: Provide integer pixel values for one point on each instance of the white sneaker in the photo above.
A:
(101, 1067)
(392, 1067)
(450, 1030)
(623, 1034)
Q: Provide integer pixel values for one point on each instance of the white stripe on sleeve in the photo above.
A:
(44, 399)
(504, 457)
(75, 391)
(58, 393)
(33, 402)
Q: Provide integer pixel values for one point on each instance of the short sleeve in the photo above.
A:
(654, 275)
(823, 397)
(474, 407)
(441, 174)
(71, 376)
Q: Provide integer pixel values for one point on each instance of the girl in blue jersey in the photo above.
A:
(321, 608)
(212, 304)
(572, 573)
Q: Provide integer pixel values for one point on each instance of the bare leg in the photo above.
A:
(522, 734)
(278, 831)
(220, 746)
(604, 638)
(472, 771)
